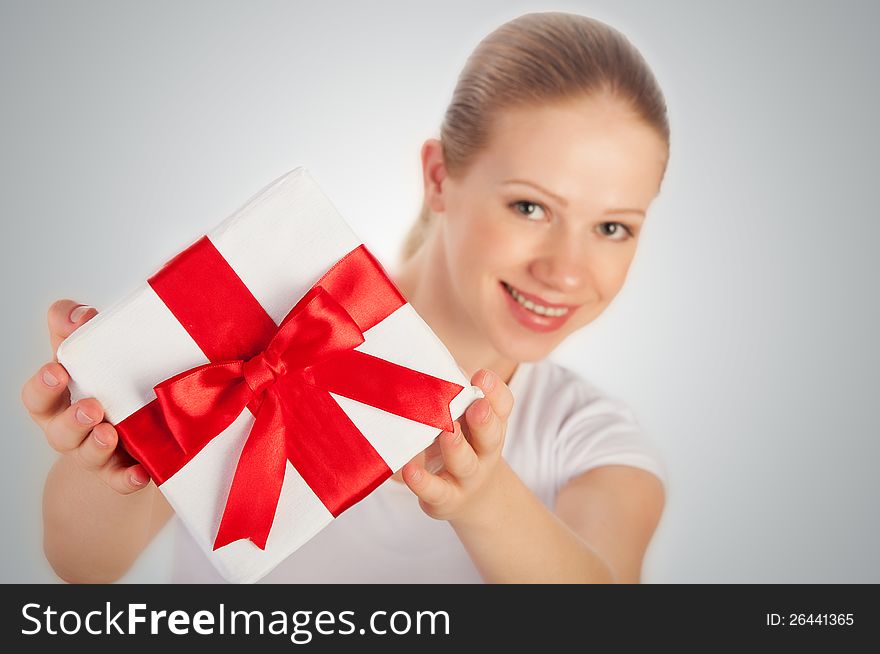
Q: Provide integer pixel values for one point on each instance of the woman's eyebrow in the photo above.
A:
(563, 202)
(559, 199)
(612, 212)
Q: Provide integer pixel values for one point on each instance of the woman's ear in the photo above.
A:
(434, 174)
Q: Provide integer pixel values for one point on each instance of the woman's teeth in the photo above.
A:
(536, 308)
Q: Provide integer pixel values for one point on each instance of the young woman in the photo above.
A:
(551, 151)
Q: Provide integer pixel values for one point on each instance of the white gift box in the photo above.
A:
(279, 243)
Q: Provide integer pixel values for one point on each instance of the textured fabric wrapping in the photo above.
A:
(281, 242)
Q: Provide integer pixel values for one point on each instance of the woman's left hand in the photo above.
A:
(471, 454)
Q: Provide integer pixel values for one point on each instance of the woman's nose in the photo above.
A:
(563, 266)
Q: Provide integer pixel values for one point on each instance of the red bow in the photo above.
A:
(285, 380)
(286, 387)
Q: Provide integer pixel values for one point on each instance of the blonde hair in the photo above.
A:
(535, 59)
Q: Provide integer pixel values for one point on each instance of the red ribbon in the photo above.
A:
(284, 375)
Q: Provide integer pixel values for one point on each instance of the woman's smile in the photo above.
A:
(530, 313)
(537, 304)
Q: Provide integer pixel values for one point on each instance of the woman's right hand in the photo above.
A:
(78, 430)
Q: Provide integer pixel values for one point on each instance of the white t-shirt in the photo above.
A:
(560, 425)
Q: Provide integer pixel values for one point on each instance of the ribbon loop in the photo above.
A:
(200, 403)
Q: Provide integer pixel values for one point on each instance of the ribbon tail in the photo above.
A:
(256, 485)
(393, 388)
(328, 450)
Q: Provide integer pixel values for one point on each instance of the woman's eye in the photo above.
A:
(619, 231)
(530, 208)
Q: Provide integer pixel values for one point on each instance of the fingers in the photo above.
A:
(485, 428)
(459, 457)
(430, 488)
(496, 391)
(470, 452)
(433, 456)
(97, 448)
(67, 429)
(64, 317)
(45, 393)
(487, 417)
(124, 479)
(98, 453)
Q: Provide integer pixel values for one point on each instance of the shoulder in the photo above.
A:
(553, 388)
(583, 426)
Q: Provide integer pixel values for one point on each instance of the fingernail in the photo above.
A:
(98, 440)
(489, 380)
(457, 432)
(49, 379)
(415, 475)
(483, 412)
(135, 480)
(79, 312)
(83, 417)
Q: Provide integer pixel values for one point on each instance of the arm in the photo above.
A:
(513, 538)
(615, 509)
(92, 533)
(603, 522)
(99, 507)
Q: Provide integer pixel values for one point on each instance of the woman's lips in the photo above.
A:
(532, 320)
(541, 301)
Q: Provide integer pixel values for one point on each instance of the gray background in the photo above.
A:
(742, 340)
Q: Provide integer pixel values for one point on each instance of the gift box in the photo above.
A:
(268, 377)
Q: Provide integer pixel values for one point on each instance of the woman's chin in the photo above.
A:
(522, 348)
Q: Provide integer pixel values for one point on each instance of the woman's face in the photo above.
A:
(564, 233)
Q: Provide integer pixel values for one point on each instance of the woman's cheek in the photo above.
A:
(484, 243)
(610, 276)
(478, 245)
